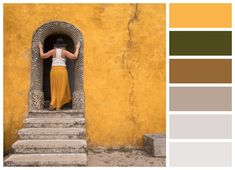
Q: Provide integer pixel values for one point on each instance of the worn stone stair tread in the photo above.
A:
(55, 111)
(52, 114)
(50, 146)
(51, 130)
(71, 159)
(54, 122)
(55, 133)
(50, 143)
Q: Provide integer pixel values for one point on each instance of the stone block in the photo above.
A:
(155, 144)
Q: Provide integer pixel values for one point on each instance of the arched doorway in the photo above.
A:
(39, 92)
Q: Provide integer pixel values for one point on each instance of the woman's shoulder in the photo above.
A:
(63, 53)
(53, 50)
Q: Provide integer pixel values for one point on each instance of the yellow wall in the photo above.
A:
(124, 73)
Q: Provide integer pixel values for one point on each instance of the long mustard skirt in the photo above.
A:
(59, 83)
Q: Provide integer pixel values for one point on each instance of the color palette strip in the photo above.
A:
(200, 78)
(200, 42)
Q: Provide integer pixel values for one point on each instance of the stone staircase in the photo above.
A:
(51, 138)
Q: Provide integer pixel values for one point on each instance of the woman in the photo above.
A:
(60, 90)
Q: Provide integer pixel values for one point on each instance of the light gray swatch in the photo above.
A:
(200, 154)
(200, 126)
(200, 98)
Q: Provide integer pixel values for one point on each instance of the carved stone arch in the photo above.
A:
(36, 95)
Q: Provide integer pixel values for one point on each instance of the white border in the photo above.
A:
(117, 1)
(200, 140)
(200, 29)
(167, 85)
(200, 85)
(199, 113)
(167, 59)
(200, 57)
(1, 80)
(233, 79)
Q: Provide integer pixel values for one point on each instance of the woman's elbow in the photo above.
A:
(75, 57)
(42, 56)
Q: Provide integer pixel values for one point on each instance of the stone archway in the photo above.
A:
(36, 95)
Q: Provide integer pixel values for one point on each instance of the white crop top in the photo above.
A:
(58, 60)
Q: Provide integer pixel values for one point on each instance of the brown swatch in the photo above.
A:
(200, 71)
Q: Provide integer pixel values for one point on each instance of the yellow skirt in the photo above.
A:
(60, 90)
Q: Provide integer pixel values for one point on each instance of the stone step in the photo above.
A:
(55, 114)
(54, 122)
(55, 160)
(51, 133)
(49, 146)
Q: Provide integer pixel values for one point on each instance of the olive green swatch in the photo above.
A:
(200, 42)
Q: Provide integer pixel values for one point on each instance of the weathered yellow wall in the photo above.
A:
(124, 67)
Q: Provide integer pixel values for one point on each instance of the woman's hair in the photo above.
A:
(60, 43)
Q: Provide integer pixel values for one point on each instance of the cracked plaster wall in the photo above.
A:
(124, 67)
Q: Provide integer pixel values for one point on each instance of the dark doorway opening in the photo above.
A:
(48, 45)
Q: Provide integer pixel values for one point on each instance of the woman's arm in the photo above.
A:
(73, 55)
(44, 55)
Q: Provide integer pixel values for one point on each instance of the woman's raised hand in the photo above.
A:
(39, 44)
(78, 45)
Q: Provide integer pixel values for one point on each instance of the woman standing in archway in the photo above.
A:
(59, 83)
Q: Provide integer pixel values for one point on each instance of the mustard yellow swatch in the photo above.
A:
(198, 15)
